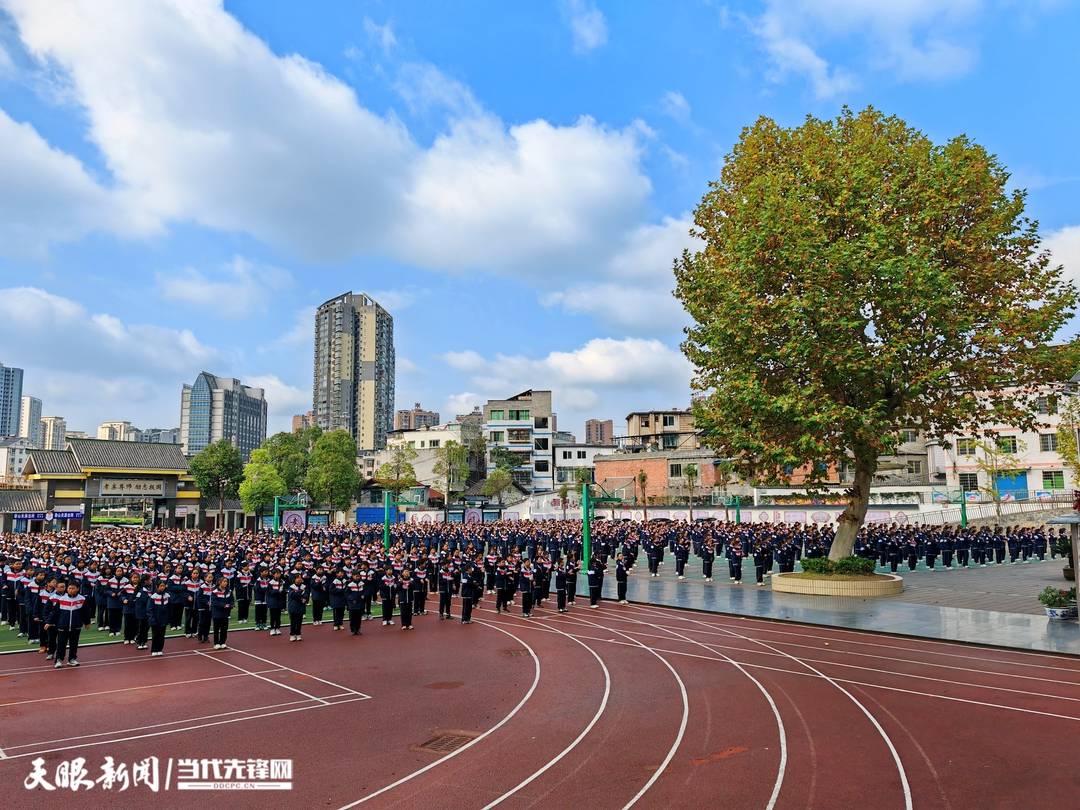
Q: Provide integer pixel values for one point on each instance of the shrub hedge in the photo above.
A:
(848, 566)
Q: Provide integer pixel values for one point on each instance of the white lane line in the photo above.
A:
(682, 724)
(263, 678)
(156, 725)
(105, 662)
(720, 631)
(525, 699)
(869, 716)
(178, 730)
(116, 691)
(600, 710)
(676, 613)
(781, 770)
(298, 672)
(2, 754)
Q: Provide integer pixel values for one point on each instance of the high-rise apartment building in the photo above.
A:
(599, 431)
(158, 436)
(415, 418)
(353, 386)
(30, 420)
(53, 433)
(217, 408)
(118, 431)
(11, 380)
(302, 421)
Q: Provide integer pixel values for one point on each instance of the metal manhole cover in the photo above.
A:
(516, 653)
(446, 742)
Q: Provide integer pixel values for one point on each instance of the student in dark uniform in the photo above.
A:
(275, 601)
(420, 591)
(387, 587)
(560, 587)
(500, 576)
(708, 555)
(525, 585)
(242, 589)
(202, 608)
(468, 594)
(405, 592)
(317, 591)
(192, 586)
(142, 614)
(339, 590)
(69, 622)
(620, 578)
(221, 605)
(446, 591)
(354, 601)
(159, 617)
(128, 594)
(595, 576)
(259, 586)
(296, 605)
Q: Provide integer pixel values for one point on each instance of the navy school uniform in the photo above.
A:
(142, 618)
(296, 604)
(560, 588)
(275, 603)
(160, 615)
(221, 605)
(354, 601)
(387, 589)
(620, 579)
(525, 583)
(69, 623)
(202, 607)
(338, 593)
(596, 582)
(446, 593)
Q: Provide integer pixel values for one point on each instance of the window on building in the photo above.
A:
(541, 465)
(566, 454)
(517, 416)
(670, 442)
(1046, 405)
(412, 445)
(908, 436)
(497, 436)
(434, 442)
(495, 416)
(675, 470)
(1053, 479)
(540, 423)
(540, 444)
(965, 447)
(1006, 444)
(1048, 442)
(969, 482)
(644, 421)
(915, 467)
(669, 420)
(582, 454)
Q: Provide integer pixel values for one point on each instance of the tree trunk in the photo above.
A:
(851, 519)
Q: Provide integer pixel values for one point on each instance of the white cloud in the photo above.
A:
(910, 39)
(394, 301)
(587, 24)
(460, 404)
(382, 35)
(282, 400)
(239, 289)
(674, 105)
(302, 331)
(7, 65)
(1064, 247)
(424, 87)
(403, 365)
(620, 373)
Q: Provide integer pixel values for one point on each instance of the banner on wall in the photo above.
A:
(294, 520)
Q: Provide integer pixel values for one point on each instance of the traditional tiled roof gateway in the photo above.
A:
(102, 454)
(17, 500)
(53, 462)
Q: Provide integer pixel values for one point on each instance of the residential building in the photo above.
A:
(665, 473)
(523, 425)
(660, 430)
(79, 434)
(11, 382)
(425, 442)
(216, 408)
(599, 431)
(53, 432)
(30, 420)
(159, 436)
(117, 431)
(13, 454)
(570, 457)
(353, 387)
(302, 421)
(415, 418)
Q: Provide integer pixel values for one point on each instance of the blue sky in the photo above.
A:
(182, 182)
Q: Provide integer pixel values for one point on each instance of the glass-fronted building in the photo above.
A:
(216, 408)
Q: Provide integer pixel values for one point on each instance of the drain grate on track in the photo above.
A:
(516, 653)
(446, 742)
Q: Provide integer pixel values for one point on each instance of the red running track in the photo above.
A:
(628, 705)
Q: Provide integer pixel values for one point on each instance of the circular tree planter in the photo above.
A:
(836, 585)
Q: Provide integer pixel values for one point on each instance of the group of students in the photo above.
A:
(136, 584)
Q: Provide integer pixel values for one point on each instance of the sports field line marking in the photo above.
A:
(781, 770)
(869, 716)
(156, 725)
(298, 672)
(525, 698)
(995, 687)
(2, 754)
(38, 667)
(551, 763)
(115, 691)
(682, 725)
(220, 660)
(179, 730)
(719, 631)
(677, 614)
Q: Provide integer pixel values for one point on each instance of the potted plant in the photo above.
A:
(1063, 548)
(1058, 602)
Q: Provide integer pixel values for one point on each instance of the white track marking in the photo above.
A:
(782, 767)
(600, 710)
(924, 642)
(261, 677)
(2, 754)
(528, 694)
(156, 725)
(180, 730)
(682, 724)
(105, 662)
(116, 691)
(298, 672)
(869, 715)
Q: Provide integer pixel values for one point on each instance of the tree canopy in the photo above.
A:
(262, 482)
(398, 474)
(332, 477)
(289, 453)
(856, 279)
(218, 471)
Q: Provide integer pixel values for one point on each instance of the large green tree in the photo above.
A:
(452, 467)
(498, 483)
(290, 452)
(218, 471)
(398, 474)
(855, 279)
(332, 476)
(262, 482)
